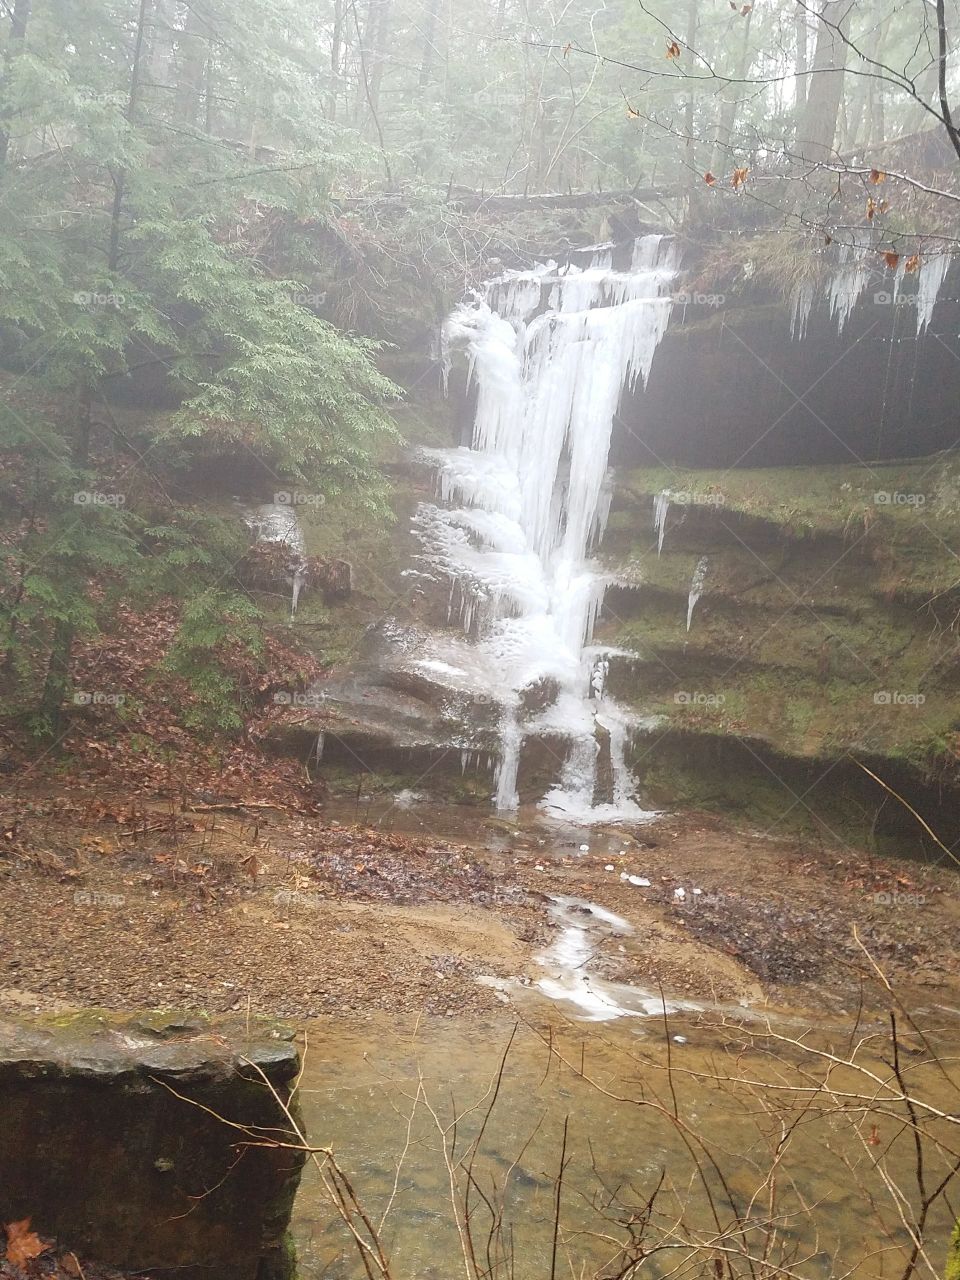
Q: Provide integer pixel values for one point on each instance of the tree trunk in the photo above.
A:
(429, 43)
(119, 178)
(800, 64)
(18, 34)
(689, 162)
(193, 56)
(159, 49)
(943, 53)
(860, 123)
(816, 133)
(377, 31)
(64, 632)
(728, 112)
(336, 55)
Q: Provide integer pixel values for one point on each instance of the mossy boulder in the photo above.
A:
(113, 1141)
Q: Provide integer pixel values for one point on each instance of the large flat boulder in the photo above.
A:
(101, 1149)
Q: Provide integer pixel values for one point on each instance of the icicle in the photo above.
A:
(696, 588)
(661, 507)
(933, 272)
(598, 678)
(299, 577)
(801, 306)
(508, 766)
(850, 279)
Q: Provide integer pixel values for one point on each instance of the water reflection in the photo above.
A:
(412, 1107)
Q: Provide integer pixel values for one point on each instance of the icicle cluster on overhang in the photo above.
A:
(851, 277)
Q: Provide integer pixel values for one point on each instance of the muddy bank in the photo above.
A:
(303, 917)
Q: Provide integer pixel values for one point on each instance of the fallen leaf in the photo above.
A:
(912, 263)
(709, 179)
(892, 260)
(22, 1243)
(632, 113)
(673, 49)
(877, 176)
(739, 178)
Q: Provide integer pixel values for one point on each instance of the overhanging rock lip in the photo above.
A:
(104, 1046)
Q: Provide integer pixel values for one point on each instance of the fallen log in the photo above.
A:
(478, 202)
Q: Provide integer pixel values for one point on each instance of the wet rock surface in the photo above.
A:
(120, 1140)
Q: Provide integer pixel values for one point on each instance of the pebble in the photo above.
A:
(679, 1039)
(584, 848)
(608, 867)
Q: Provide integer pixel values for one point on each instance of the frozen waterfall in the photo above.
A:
(550, 353)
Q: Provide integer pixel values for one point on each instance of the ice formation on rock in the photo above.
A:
(551, 351)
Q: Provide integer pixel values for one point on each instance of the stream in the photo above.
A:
(645, 1088)
(380, 1093)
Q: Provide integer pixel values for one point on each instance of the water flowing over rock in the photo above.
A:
(276, 524)
(550, 351)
